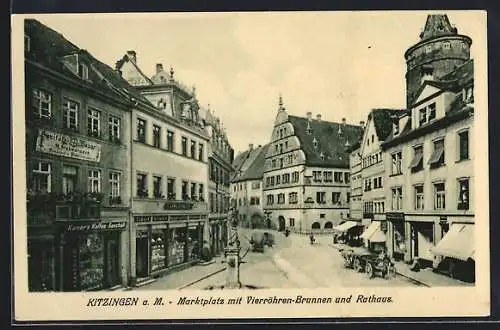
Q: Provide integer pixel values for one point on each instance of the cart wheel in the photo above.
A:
(369, 270)
(357, 265)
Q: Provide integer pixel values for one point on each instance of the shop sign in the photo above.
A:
(95, 226)
(145, 218)
(178, 206)
(395, 216)
(160, 218)
(68, 146)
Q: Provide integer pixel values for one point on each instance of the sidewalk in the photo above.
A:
(425, 276)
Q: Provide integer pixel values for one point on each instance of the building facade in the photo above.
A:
(246, 187)
(356, 203)
(306, 172)
(77, 166)
(169, 168)
(220, 159)
(429, 166)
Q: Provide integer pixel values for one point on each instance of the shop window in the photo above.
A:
(158, 260)
(417, 164)
(156, 136)
(184, 146)
(396, 163)
(157, 191)
(437, 158)
(170, 141)
(463, 138)
(42, 104)
(70, 114)
(193, 243)
(336, 197)
(463, 194)
(171, 189)
(176, 251)
(184, 190)
(114, 128)
(293, 198)
(142, 185)
(69, 179)
(193, 149)
(419, 197)
(439, 196)
(320, 197)
(94, 181)
(41, 179)
(93, 123)
(200, 152)
(90, 263)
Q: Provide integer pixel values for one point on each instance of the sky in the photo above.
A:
(337, 64)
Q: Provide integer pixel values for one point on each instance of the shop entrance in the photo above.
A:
(142, 254)
(112, 259)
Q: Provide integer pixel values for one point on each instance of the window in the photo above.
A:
(184, 190)
(322, 216)
(377, 182)
(273, 163)
(320, 197)
(170, 141)
(157, 193)
(201, 192)
(417, 164)
(212, 202)
(156, 136)
(463, 138)
(41, 177)
(463, 194)
(328, 176)
(293, 198)
(171, 189)
(200, 151)
(142, 188)
(114, 128)
(295, 177)
(256, 185)
(432, 111)
(368, 184)
(317, 176)
(422, 116)
(281, 163)
(83, 71)
(338, 177)
(254, 200)
(193, 149)
(70, 114)
(397, 198)
(336, 197)
(270, 199)
(193, 191)
(292, 222)
(184, 146)
(278, 179)
(281, 198)
(347, 177)
(437, 157)
(42, 104)
(286, 178)
(419, 197)
(69, 179)
(114, 184)
(439, 196)
(141, 130)
(396, 163)
(94, 181)
(348, 197)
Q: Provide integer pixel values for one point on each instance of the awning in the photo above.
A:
(437, 154)
(378, 237)
(457, 243)
(372, 228)
(416, 160)
(345, 226)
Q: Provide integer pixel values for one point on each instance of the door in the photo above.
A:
(281, 220)
(112, 260)
(142, 256)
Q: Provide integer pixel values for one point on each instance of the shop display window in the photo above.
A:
(158, 250)
(91, 262)
(176, 250)
(193, 243)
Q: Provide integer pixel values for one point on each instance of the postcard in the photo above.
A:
(173, 166)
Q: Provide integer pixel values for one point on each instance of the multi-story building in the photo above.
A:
(220, 159)
(356, 202)
(428, 158)
(246, 186)
(306, 174)
(169, 167)
(77, 166)
(378, 128)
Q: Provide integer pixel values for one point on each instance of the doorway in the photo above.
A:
(112, 260)
(281, 222)
(142, 254)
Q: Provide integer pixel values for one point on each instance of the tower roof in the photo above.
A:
(437, 25)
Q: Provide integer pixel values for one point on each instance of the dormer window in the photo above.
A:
(396, 127)
(322, 156)
(469, 98)
(308, 128)
(27, 43)
(83, 71)
(315, 143)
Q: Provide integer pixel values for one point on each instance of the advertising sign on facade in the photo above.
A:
(96, 226)
(67, 146)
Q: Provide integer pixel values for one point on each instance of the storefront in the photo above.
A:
(163, 242)
(348, 232)
(41, 263)
(397, 243)
(375, 236)
(421, 242)
(91, 255)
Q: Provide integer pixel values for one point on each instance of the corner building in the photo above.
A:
(306, 172)
(77, 166)
(170, 175)
(430, 171)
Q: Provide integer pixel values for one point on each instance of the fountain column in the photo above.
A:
(232, 252)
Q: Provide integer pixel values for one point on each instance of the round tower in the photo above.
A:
(440, 50)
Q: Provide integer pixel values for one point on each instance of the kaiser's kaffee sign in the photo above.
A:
(67, 146)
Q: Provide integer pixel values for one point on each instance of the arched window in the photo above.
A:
(328, 225)
(316, 225)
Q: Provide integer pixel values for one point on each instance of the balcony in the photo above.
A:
(43, 209)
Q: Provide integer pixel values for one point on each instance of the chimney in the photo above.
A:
(362, 123)
(318, 117)
(159, 67)
(132, 55)
(250, 146)
(309, 115)
(343, 121)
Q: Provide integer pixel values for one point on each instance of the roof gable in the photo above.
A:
(428, 89)
(252, 167)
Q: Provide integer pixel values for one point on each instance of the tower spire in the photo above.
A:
(280, 103)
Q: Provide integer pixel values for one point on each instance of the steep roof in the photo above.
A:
(437, 25)
(239, 160)
(332, 139)
(383, 122)
(252, 167)
(49, 47)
